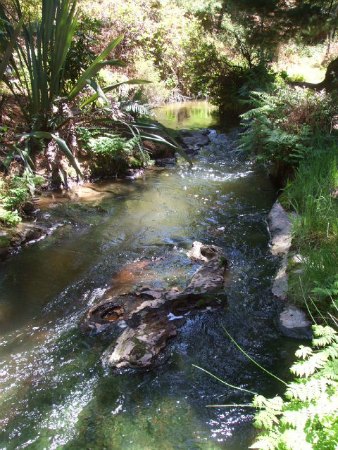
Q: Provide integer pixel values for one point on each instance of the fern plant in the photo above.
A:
(281, 126)
(111, 153)
(306, 418)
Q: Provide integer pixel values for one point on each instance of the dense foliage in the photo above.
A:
(111, 153)
(51, 67)
(283, 126)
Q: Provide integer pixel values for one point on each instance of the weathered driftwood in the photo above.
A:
(146, 313)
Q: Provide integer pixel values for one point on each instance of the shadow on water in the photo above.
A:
(54, 391)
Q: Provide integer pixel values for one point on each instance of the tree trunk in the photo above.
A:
(330, 82)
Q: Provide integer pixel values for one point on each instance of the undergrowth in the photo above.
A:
(282, 127)
(293, 128)
(15, 192)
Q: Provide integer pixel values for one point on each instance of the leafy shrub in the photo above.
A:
(15, 197)
(231, 92)
(203, 68)
(14, 193)
(156, 92)
(156, 41)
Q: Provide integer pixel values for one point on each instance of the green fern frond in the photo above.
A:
(270, 409)
(309, 366)
(295, 440)
(330, 370)
(296, 419)
(332, 351)
(267, 441)
(306, 391)
(324, 336)
(303, 352)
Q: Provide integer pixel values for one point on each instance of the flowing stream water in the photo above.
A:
(54, 392)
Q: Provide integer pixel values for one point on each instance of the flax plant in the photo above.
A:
(37, 67)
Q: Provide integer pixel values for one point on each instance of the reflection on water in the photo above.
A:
(53, 390)
(189, 115)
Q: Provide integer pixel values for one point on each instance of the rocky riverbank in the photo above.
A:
(292, 320)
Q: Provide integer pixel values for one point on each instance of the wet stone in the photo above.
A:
(194, 140)
(294, 323)
(280, 230)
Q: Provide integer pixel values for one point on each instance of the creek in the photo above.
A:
(54, 392)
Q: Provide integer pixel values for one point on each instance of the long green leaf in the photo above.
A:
(65, 26)
(170, 141)
(98, 90)
(111, 87)
(251, 359)
(61, 143)
(10, 48)
(42, 53)
(96, 65)
(224, 382)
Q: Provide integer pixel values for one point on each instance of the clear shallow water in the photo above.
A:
(53, 390)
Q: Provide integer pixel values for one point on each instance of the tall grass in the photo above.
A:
(312, 195)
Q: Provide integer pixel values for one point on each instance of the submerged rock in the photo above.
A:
(147, 313)
(23, 234)
(164, 162)
(218, 138)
